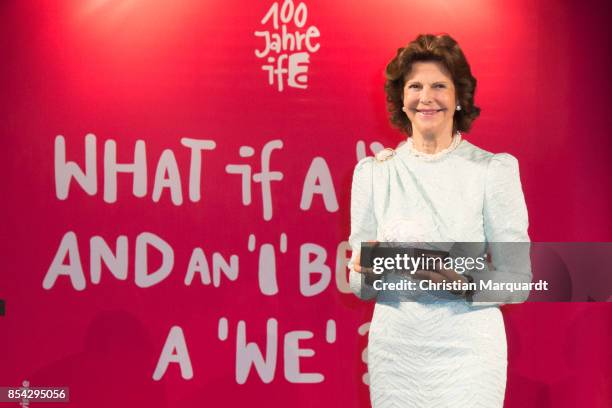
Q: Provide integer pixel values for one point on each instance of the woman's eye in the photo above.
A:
(413, 86)
(440, 86)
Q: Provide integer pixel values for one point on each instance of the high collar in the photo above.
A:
(410, 150)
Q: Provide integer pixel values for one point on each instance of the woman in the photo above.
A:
(432, 351)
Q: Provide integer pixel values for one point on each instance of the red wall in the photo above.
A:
(159, 72)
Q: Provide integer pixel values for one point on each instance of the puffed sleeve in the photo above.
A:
(363, 223)
(505, 226)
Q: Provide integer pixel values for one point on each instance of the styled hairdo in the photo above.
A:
(438, 48)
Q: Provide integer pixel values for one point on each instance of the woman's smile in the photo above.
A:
(428, 113)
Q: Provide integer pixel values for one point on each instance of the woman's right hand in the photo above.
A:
(357, 264)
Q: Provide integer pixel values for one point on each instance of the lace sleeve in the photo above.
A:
(505, 221)
(363, 223)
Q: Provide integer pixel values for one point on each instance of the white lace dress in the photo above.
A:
(427, 351)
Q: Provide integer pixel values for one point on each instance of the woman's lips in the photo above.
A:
(428, 112)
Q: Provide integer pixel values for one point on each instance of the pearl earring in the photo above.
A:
(458, 108)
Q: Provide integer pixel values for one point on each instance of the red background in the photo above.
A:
(159, 71)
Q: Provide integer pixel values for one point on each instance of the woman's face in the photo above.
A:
(429, 99)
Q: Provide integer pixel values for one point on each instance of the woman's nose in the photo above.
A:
(425, 95)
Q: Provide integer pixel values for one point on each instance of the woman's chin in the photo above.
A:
(429, 130)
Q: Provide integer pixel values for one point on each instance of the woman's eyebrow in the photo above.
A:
(414, 81)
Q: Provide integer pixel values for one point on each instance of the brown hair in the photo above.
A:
(439, 48)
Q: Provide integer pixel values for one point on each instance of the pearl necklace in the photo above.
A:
(433, 156)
